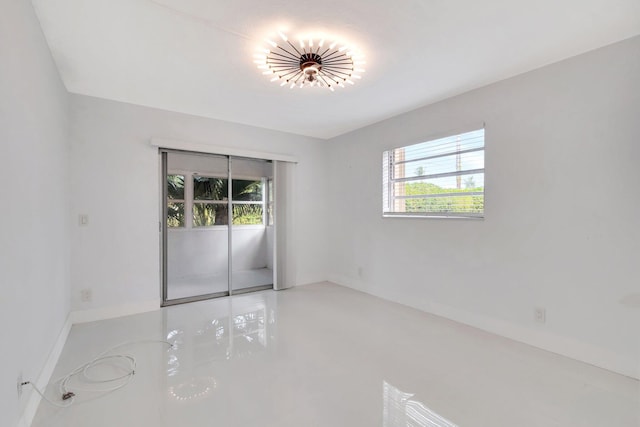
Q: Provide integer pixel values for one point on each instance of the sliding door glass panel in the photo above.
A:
(197, 226)
(251, 232)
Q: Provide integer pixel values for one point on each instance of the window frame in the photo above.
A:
(223, 201)
(189, 200)
(388, 168)
(262, 202)
(183, 201)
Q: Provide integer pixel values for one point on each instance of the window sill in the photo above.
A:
(216, 228)
(435, 216)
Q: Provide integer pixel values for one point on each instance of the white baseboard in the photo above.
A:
(111, 312)
(544, 340)
(564, 346)
(33, 400)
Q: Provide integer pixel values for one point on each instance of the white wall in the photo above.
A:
(203, 252)
(562, 211)
(115, 180)
(34, 231)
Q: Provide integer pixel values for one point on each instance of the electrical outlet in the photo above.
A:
(20, 385)
(86, 295)
(540, 315)
(83, 219)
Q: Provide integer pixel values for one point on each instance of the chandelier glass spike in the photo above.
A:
(310, 62)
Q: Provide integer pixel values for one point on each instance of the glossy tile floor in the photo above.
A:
(323, 355)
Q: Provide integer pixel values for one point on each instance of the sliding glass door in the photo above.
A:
(251, 225)
(195, 237)
(216, 233)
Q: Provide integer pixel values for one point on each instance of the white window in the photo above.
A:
(210, 203)
(196, 200)
(175, 202)
(442, 177)
(248, 197)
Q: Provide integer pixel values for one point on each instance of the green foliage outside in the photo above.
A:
(175, 191)
(246, 191)
(208, 214)
(175, 215)
(247, 214)
(210, 190)
(473, 204)
(207, 188)
(175, 187)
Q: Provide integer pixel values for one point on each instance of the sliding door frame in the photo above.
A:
(164, 232)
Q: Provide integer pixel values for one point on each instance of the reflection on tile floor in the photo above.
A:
(185, 287)
(323, 355)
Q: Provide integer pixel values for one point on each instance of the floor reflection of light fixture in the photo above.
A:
(311, 62)
(197, 387)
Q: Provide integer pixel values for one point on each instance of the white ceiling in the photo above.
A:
(195, 56)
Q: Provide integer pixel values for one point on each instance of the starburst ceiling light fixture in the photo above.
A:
(311, 62)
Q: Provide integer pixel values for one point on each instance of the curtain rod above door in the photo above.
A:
(199, 147)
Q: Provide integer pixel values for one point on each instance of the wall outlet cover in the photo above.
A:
(540, 314)
(86, 295)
